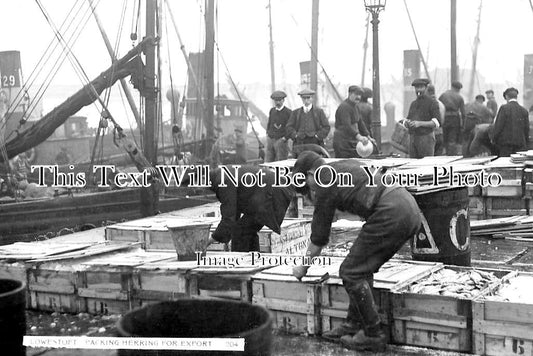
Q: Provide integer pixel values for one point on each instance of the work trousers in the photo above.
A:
(421, 146)
(396, 219)
(277, 149)
(452, 134)
(244, 235)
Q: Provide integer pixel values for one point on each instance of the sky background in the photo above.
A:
(243, 40)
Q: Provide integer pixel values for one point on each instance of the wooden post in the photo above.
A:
(453, 19)
(314, 50)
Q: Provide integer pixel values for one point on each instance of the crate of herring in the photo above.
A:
(503, 317)
(436, 311)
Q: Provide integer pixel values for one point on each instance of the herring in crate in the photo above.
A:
(454, 283)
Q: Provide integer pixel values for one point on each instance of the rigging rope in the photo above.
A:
(416, 39)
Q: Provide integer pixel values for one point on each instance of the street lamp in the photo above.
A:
(374, 7)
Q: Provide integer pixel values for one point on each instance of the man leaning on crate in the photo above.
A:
(392, 217)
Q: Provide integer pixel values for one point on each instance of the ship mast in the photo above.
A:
(454, 71)
(271, 45)
(474, 55)
(209, 61)
(314, 49)
(365, 50)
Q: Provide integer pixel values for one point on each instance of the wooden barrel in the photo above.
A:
(400, 138)
(200, 318)
(12, 317)
(445, 232)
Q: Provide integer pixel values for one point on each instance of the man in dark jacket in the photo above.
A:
(454, 118)
(511, 127)
(308, 124)
(392, 217)
(347, 120)
(422, 120)
(366, 110)
(277, 147)
(245, 210)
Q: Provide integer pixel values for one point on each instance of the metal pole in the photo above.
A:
(365, 50)
(376, 114)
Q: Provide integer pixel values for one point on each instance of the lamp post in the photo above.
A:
(374, 7)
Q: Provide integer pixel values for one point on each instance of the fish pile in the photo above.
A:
(338, 250)
(517, 289)
(458, 284)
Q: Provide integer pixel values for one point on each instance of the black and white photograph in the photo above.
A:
(266, 177)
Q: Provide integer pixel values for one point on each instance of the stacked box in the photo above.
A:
(476, 208)
(107, 282)
(294, 305)
(393, 274)
(54, 286)
(503, 327)
(435, 321)
(500, 207)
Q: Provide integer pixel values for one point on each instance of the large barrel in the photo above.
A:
(12, 317)
(199, 318)
(445, 232)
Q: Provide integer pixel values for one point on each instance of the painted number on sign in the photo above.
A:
(514, 346)
(8, 81)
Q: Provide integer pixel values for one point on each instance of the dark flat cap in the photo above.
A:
(420, 81)
(510, 91)
(457, 85)
(278, 94)
(355, 89)
(367, 93)
(306, 92)
(306, 161)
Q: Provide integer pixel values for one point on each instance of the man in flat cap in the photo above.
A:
(454, 119)
(511, 127)
(347, 124)
(277, 146)
(392, 217)
(308, 124)
(422, 120)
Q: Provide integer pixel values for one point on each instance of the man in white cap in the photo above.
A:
(277, 146)
(308, 124)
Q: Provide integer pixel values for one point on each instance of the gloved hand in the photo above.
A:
(299, 272)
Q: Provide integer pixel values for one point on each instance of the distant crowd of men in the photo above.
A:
(442, 125)
(447, 126)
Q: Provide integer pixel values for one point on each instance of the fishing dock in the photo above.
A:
(118, 268)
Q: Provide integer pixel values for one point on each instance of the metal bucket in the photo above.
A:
(200, 318)
(189, 239)
(12, 317)
(445, 232)
(400, 138)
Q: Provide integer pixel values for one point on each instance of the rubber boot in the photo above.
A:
(372, 337)
(350, 326)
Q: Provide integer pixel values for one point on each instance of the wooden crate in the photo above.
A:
(335, 301)
(294, 305)
(293, 239)
(476, 208)
(498, 207)
(434, 321)
(54, 286)
(508, 188)
(502, 328)
(107, 283)
(474, 191)
(508, 173)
